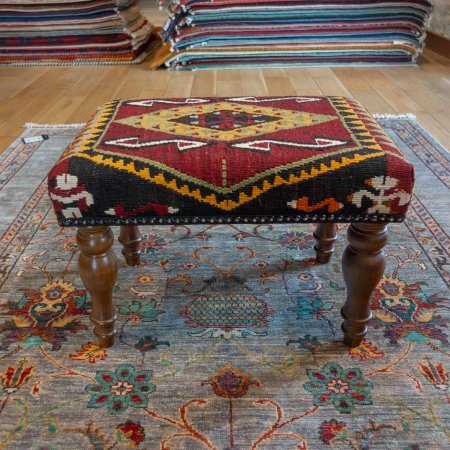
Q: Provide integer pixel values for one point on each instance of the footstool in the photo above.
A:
(323, 160)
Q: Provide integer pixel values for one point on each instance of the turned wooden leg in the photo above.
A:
(98, 270)
(325, 236)
(363, 265)
(130, 238)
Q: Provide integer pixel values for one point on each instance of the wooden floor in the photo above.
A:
(70, 94)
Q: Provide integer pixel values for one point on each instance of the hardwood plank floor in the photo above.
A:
(71, 94)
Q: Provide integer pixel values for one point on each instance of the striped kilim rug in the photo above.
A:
(229, 335)
(74, 31)
(261, 33)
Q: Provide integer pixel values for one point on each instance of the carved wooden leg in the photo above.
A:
(130, 238)
(98, 270)
(363, 265)
(325, 236)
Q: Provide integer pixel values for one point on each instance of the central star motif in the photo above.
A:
(224, 121)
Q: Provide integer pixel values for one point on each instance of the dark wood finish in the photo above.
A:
(98, 270)
(363, 264)
(130, 238)
(438, 44)
(325, 236)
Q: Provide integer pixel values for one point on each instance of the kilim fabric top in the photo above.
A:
(231, 160)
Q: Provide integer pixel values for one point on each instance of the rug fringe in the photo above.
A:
(46, 125)
(394, 116)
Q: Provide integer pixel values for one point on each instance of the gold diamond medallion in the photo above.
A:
(242, 121)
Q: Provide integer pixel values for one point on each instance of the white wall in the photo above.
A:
(440, 20)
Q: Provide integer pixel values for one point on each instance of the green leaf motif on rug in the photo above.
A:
(308, 308)
(148, 343)
(138, 311)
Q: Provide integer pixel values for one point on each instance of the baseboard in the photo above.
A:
(438, 44)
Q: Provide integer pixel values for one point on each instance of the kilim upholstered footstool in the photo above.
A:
(232, 160)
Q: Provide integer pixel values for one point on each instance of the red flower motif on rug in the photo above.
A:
(44, 316)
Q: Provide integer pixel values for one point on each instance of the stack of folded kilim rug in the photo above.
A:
(255, 33)
(72, 31)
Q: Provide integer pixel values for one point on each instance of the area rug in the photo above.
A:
(238, 349)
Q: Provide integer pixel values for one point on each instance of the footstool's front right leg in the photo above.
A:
(98, 270)
(363, 264)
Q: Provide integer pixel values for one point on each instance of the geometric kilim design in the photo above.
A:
(231, 159)
(224, 121)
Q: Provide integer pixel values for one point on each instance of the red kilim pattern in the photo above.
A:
(229, 159)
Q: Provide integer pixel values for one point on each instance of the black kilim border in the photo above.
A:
(107, 112)
(259, 219)
(344, 114)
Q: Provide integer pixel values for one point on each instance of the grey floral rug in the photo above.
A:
(229, 336)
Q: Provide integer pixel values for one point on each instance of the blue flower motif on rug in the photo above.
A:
(342, 388)
(120, 389)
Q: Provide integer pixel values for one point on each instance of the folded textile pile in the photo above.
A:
(261, 33)
(72, 31)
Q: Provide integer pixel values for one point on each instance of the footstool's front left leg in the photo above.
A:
(98, 270)
(363, 264)
(130, 238)
(325, 236)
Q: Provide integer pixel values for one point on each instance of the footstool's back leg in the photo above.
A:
(363, 264)
(325, 236)
(98, 270)
(130, 238)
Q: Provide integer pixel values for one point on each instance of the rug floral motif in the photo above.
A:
(238, 349)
